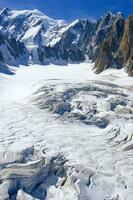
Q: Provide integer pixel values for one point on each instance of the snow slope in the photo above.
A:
(66, 133)
(29, 26)
(44, 40)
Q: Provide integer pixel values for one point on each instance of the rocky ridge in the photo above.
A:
(29, 36)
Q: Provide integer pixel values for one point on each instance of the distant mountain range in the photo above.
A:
(29, 36)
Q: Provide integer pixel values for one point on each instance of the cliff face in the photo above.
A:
(12, 52)
(108, 29)
(116, 50)
(125, 51)
(104, 59)
(108, 47)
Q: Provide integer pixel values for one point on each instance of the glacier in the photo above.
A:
(66, 133)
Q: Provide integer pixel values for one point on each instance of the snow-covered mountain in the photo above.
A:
(46, 40)
(70, 43)
(66, 133)
(29, 26)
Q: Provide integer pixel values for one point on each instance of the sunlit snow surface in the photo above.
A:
(66, 134)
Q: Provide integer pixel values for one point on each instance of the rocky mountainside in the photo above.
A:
(125, 51)
(116, 50)
(70, 43)
(12, 52)
(109, 45)
(29, 36)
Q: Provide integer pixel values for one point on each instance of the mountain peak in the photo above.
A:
(4, 11)
(38, 12)
(35, 13)
(119, 15)
(107, 15)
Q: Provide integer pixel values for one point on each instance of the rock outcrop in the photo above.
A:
(108, 47)
(116, 50)
(12, 52)
(104, 59)
(125, 51)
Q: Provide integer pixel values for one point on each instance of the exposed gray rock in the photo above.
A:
(108, 46)
(12, 52)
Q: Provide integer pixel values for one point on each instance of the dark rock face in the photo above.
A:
(1, 57)
(12, 52)
(116, 50)
(107, 29)
(108, 47)
(17, 48)
(125, 51)
(11, 49)
(72, 44)
(104, 59)
(55, 54)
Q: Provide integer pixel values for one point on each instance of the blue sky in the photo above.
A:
(72, 9)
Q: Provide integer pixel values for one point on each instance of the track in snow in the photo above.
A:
(66, 133)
